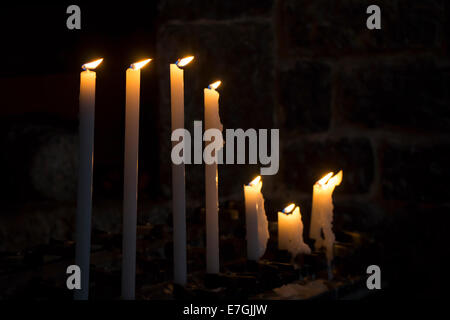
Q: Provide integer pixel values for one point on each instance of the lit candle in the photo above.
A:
(212, 121)
(290, 231)
(322, 213)
(133, 84)
(84, 200)
(256, 220)
(178, 179)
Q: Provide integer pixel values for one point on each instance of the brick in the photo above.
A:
(306, 161)
(417, 173)
(408, 94)
(330, 28)
(213, 9)
(357, 216)
(305, 97)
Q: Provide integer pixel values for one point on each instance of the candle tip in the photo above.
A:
(255, 181)
(330, 179)
(337, 178)
(325, 178)
(91, 65)
(289, 208)
(140, 64)
(215, 85)
(184, 61)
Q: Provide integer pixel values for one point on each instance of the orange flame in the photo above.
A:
(336, 179)
(215, 85)
(325, 178)
(255, 181)
(182, 62)
(92, 65)
(289, 208)
(330, 180)
(140, 64)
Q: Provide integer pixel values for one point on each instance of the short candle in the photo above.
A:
(290, 231)
(257, 225)
(322, 213)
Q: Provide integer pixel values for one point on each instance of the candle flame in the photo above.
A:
(330, 180)
(91, 65)
(336, 180)
(289, 208)
(214, 85)
(255, 181)
(182, 62)
(140, 64)
(325, 178)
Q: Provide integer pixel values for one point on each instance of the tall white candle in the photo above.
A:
(212, 120)
(290, 231)
(178, 174)
(84, 198)
(256, 220)
(322, 213)
(133, 84)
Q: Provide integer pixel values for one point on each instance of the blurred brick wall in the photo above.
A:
(373, 103)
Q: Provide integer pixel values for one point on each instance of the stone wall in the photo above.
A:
(373, 103)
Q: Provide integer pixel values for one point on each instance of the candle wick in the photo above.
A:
(177, 63)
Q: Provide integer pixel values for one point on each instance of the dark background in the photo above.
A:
(374, 103)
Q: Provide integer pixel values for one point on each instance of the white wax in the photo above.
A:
(257, 225)
(84, 197)
(322, 214)
(130, 183)
(178, 179)
(212, 120)
(290, 233)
